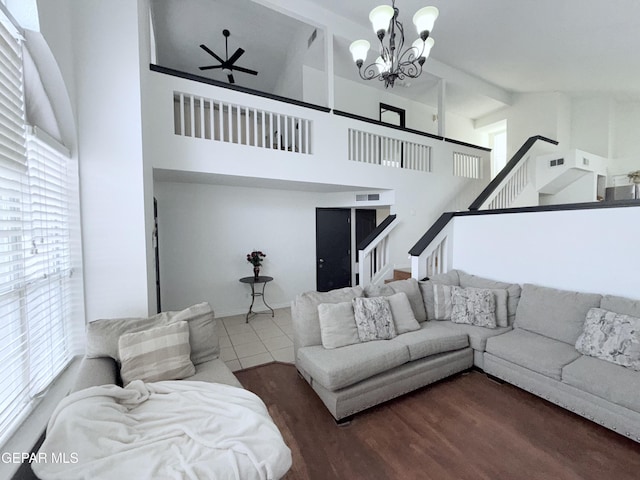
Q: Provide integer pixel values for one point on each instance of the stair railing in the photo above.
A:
(374, 254)
(502, 180)
(432, 254)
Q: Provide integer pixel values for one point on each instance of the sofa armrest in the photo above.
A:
(95, 372)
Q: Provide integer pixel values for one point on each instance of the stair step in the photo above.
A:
(400, 274)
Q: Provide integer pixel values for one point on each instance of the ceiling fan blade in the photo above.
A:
(211, 52)
(245, 70)
(237, 54)
(231, 79)
(210, 67)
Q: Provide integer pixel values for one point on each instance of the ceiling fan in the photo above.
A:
(227, 65)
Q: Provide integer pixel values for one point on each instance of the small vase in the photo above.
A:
(256, 272)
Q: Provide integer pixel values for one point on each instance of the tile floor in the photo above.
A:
(262, 340)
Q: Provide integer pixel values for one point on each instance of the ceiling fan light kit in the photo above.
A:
(393, 62)
(228, 64)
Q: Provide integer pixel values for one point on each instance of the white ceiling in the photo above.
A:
(580, 47)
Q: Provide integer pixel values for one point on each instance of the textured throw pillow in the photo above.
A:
(473, 306)
(611, 336)
(442, 301)
(373, 319)
(160, 353)
(403, 316)
(337, 325)
(513, 291)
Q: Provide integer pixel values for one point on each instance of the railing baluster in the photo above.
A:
(183, 127)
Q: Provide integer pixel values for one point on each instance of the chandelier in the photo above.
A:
(394, 62)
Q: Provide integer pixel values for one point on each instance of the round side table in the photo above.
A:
(252, 281)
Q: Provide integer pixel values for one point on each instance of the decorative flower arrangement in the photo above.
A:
(634, 176)
(255, 258)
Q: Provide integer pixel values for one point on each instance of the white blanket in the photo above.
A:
(162, 430)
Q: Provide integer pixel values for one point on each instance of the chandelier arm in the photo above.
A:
(410, 55)
(369, 72)
(411, 70)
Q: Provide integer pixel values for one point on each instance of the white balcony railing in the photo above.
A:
(211, 119)
(378, 149)
(467, 165)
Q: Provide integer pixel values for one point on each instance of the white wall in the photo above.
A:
(97, 47)
(546, 114)
(206, 231)
(626, 147)
(581, 250)
(596, 124)
(593, 121)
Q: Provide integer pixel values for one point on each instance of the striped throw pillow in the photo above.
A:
(161, 353)
(442, 301)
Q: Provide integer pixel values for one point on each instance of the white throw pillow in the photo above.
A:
(337, 324)
(373, 319)
(473, 306)
(402, 313)
(161, 353)
(611, 336)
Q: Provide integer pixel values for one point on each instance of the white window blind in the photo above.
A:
(35, 261)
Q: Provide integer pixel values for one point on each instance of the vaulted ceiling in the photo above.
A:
(580, 47)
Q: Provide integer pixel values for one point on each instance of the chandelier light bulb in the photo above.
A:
(424, 20)
(428, 44)
(381, 65)
(380, 18)
(359, 50)
(418, 45)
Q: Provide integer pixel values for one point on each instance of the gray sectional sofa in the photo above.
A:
(535, 349)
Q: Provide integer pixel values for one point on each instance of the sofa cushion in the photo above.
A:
(103, 335)
(383, 290)
(426, 288)
(341, 367)
(305, 312)
(402, 313)
(513, 294)
(532, 351)
(473, 306)
(412, 289)
(156, 354)
(606, 380)
(610, 336)
(557, 314)
(373, 319)
(477, 335)
(214, 371)
(337, 324)
(432, 338)
(624, 305)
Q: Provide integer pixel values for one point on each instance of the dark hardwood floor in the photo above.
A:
(465, 427)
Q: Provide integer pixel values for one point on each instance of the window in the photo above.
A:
(35, 265)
